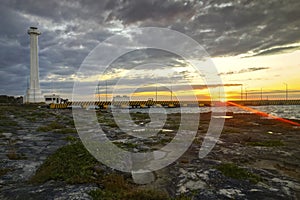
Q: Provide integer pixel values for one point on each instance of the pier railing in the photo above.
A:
(169, 104)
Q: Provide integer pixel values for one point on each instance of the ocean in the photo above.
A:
(283, 111)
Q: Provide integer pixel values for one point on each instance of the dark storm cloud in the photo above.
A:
(147, 59)
(141, 81)
(223, 28)
(13, 52)
(250, 69)
(142, 10)
(12, 23)
(64, 42)
(249, 26)
(71, 29)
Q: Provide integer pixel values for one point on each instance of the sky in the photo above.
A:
(254, 45)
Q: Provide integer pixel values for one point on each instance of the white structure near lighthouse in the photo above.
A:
(33, 93)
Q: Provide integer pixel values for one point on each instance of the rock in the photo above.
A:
(7, 135)
(143, 177)
(198, 177)
(144, 148)
(49, 190)
(231, 193)
(192, 175)
(194, 185)
(182, 189)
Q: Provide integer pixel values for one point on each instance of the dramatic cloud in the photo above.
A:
(250, 69)
(276, 50)
(167, 87)
(72, 28)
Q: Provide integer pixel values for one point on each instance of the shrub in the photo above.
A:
(233, 171)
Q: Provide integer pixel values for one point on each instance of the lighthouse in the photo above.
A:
(33, 93)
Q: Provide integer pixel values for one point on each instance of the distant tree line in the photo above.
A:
(4, 99)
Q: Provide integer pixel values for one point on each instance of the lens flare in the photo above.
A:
(263, 114)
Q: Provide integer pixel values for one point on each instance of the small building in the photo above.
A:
(119, 98)
(53, 98)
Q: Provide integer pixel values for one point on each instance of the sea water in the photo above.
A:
(283, 111)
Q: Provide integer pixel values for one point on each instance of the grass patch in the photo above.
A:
(71, 139)
(12, 155)
(107, 121)
(43, 129)
(12, 152)
(230, 130)
(127, 145)
(183, 197)
(71, 163)
(50, 127)
(173, 126)
(268, 143)
(140, 116)
(132, 194)
(233, 171)
(117, 188)
(4, 171)
(70, 123)
(74, 164)
(32, 119)
(111, 124)
(66, 131)
(7, 124)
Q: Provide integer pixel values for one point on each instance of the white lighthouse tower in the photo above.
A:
(33, 93)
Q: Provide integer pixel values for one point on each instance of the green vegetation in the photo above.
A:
(70, 122)
(172, 126)
(66, 131)
(4, 171)
(13, 155)
(117, 188)
(32, 113)
(165, 140)
(132, 194)
(52, 126)
(10, 99)
(71, 163)
(183, 197)
(107, 121)
(71, 138)
(139, 116)
(268, 143)
(111, 124)
(230, 130)
(126, 145)
(12, 152)
(233, 171)
(74, 164)
(7, 123)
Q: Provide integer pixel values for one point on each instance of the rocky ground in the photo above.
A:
(255, 158)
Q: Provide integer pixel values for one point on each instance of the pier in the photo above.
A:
(168, 104)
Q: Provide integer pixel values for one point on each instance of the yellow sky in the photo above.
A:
(282, 68)
(276, 70)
